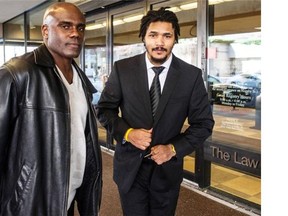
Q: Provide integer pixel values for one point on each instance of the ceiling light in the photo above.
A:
(133, 18)
(118, 22)
(94, 26)
(213, 2)
(189, 6)
(174, 9)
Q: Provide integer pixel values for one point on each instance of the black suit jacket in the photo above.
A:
(183, 97)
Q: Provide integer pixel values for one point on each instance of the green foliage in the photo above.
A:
(223, 41)
(255, 42)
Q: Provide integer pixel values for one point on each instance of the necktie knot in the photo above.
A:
(158, 70)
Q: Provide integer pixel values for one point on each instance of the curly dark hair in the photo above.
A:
(162, 15)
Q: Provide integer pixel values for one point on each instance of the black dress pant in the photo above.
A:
(142, 200)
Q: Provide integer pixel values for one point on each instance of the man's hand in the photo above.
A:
(140, 138)
(162, 153)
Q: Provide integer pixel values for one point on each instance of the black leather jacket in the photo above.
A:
(35, 140)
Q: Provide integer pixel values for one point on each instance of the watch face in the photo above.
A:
(173, 148)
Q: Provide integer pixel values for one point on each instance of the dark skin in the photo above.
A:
(63, 33)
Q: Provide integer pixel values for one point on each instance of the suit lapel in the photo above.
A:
(169, 86)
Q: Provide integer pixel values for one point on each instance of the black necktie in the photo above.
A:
(155, 89)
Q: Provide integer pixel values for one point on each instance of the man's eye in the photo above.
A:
(65, 26)
(81, 29)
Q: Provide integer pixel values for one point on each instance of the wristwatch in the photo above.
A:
(173, 148)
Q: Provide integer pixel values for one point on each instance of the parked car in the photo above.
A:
(213, 79)
(249, 80)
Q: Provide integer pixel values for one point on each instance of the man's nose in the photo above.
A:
(160, 40)
(76, 32)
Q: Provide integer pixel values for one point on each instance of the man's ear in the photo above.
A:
(44, 30)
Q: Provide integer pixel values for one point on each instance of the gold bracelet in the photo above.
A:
(127, 133)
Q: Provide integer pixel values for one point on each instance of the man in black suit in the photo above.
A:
(148, 160)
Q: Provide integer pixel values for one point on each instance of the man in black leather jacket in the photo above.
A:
(43, 123)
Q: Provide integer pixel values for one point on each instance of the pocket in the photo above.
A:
(23, 186)
(168, 175)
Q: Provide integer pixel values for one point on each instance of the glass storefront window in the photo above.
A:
(95, 51)
(234, 84)
(1, 52)
(21, 37)
(125, 38)
(35, 18)
(235, 73)
(14, 37)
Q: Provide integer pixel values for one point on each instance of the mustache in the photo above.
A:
(159, 49)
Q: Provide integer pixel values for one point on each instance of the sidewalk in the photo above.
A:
(190, 202)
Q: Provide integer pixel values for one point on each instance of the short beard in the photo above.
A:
(155, 60)
(158, 61)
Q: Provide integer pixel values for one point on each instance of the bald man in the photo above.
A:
(50, 157)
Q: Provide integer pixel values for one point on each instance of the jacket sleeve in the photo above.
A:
(200, 121)
(8, 112)
(108, 107)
